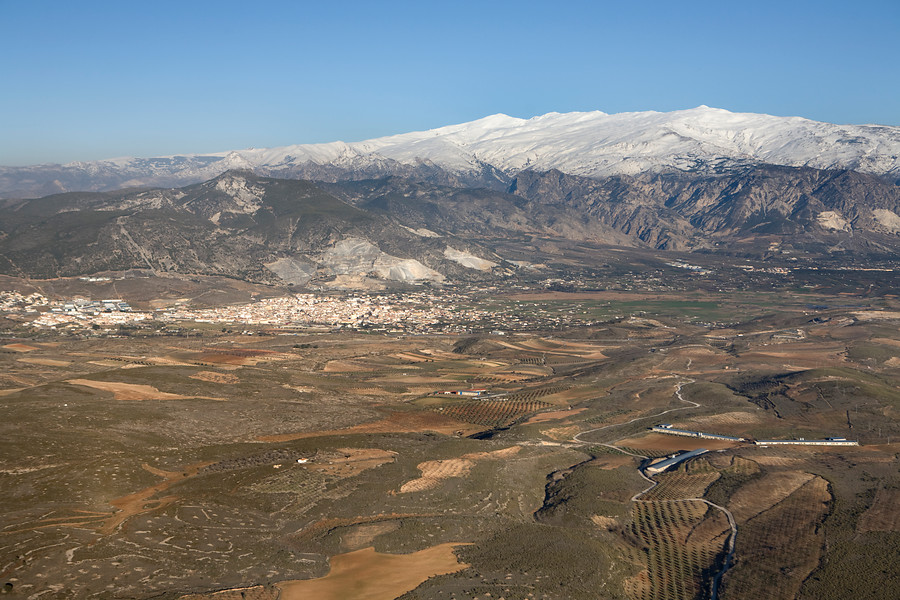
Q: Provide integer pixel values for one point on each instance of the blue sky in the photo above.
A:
(89, 80)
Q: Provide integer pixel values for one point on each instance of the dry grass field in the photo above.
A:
(208, 464)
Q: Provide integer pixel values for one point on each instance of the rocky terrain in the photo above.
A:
(238, 225)
(268, 230)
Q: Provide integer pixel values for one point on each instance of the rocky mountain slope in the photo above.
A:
(238, 224)
(263, 229)
(489, 152)
(822, 211)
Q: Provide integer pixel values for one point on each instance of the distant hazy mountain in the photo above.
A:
(490, 152)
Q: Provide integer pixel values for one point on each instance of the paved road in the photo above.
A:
(680, 385)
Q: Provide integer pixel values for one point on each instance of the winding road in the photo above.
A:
(714, 594)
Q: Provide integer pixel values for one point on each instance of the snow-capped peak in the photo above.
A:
(591, 144)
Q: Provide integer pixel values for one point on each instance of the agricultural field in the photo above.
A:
(247, 462)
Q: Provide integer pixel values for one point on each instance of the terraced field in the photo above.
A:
(684, 541)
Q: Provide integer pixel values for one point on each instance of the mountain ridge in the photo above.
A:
(488, 152)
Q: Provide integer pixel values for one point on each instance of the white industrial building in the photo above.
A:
(832, 441)
(668, 429)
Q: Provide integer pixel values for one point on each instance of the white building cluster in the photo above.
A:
(404, 311)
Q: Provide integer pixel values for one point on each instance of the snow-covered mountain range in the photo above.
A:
(495, 148)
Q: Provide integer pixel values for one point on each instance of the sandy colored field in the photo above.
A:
(604, 522)
(105, 363)
(398, 422)
(763, 493)
(436, 471)
(884, 515)
(554, 415)
(133, 391)
(167, 361)
(658, 441)
(369, 575)
(9, 391)
(20, 347)
(542, 346)
(46, 362)
(213, 377)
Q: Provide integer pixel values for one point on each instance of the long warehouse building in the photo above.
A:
(834, 441)
(668, 429)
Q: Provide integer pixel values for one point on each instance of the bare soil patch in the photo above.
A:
(133, 391)
(436, 471)
(369, 575)
(348, 462)
(20, 347)
(604, 522)
(45, 362)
